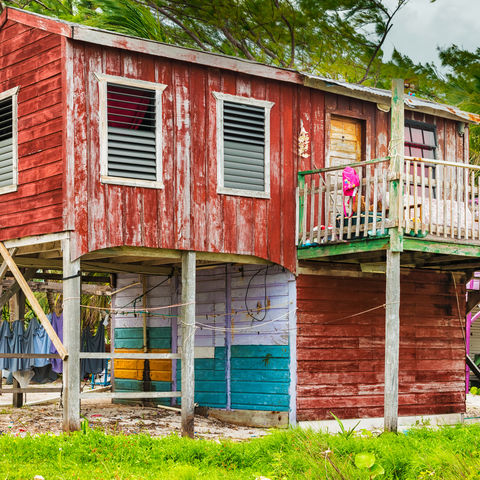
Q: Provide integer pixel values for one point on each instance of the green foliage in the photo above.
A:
(366, 461)
(346, 433)
(475, 391)
(448, 453)
(334, 38)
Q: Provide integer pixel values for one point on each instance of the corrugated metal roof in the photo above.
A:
(381, 96)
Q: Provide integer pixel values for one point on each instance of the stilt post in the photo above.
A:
(392, 295)
(71, 339)
(188, 342)
(392, 336)
(17, 312)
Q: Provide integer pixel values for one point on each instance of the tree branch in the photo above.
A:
(175, 20)
(387, 29)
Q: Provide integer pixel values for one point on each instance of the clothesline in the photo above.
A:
(153, 311)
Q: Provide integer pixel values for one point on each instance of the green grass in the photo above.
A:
(447, 453)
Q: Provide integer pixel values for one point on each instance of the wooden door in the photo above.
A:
(345, 141)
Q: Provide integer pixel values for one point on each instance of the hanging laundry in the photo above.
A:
(41, 344)
(28, 343)
(4, 345)
(92, 343)
(44, 374)
(57, 324)
(16, 341)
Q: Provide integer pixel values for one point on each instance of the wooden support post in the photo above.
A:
(392, 296)
(392, 340)
(17, 312)
(71, 339)
(188, 342)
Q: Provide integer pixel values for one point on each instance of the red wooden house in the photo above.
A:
(218, 181)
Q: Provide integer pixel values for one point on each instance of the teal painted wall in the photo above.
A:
(158, 337)
(260, 377)
(210, 383)
(127, 385)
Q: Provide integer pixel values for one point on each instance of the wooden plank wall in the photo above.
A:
(341, 360)
(248, 369)
(188, 213)
(32, 59)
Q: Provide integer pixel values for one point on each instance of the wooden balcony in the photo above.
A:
(438, 214)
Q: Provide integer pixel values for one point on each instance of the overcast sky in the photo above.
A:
(421, 26)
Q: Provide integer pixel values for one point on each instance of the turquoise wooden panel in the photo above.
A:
(128, 385)
(269, 408)
(260, 364)
(212, 375)
(159, 337)
(260, 387)
(263, 375)
(210, 383)
(254, 399)
(260, 351)
(260, 377)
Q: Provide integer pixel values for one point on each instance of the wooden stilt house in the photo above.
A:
(211, 187)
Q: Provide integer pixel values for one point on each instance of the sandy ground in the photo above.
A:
(473, 405)
(111, 418)
(36, 418)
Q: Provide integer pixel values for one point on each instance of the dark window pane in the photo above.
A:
(429, 138)
(416, 152)
(427, 153)
(417, 136)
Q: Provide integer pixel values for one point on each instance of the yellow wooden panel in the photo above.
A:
(129, 374)
(160, 370)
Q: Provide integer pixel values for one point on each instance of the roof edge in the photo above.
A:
(383, 97)
(107, 38)
(42, 22)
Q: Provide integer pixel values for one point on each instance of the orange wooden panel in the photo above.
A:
(160, 370)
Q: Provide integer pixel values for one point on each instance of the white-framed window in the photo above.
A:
(243, 146)
(8, 141)
(130, 131)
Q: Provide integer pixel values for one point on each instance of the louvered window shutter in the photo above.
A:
(6, 143)
(131, 132)
(244, 146)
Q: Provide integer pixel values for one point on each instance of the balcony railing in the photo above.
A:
(438, 199)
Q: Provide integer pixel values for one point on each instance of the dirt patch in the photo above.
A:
(117, 419)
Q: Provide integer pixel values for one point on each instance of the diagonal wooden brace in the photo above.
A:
(33, 301)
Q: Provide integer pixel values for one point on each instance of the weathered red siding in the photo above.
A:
(188, 213)
(31, 59)
(341, 356)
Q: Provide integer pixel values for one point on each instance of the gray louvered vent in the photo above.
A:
(131, 132)
(6, 143)
(244, 146)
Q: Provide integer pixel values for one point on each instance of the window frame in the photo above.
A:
(13, 93)
(430, 127)
(267, 105)
(103, 80)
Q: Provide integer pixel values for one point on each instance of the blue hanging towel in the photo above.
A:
(17, 342)
(29, 343)
(4, 345)
(57, 324)
(41, 344)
